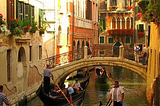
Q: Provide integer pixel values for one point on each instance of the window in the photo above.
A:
(128, 23)
(8, 65)
(101, 39)
(113, 23)
(102, 53)
(127, 40)
(140, 28)
(68, 37)
(110, 40)
(25, 11)
(118, 23)
(20, 10)
(123, 23)
(30, 53)
(10, 10)
(40, 52)
(113, 2)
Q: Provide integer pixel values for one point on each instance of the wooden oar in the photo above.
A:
(63, 93)
(109, 103)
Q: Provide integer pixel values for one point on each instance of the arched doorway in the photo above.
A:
(22, 69)
(116, 49)
(78, 50)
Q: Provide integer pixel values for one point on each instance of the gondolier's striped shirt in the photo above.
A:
(3, 98)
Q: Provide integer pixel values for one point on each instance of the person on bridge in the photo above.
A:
(3, 97)
(47, 75)
(117, 94)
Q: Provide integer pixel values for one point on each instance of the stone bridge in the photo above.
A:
(61, 72)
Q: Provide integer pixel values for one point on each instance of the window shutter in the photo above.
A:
(116, 2)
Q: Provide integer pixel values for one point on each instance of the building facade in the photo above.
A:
(68, 24)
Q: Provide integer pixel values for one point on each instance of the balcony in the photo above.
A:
(113, 8)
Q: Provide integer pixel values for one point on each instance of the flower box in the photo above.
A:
(140, 34)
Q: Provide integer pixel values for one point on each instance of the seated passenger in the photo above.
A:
(77, 86)
(70, 89)
(54, 91)
(64, 90)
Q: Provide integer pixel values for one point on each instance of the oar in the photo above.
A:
(109, 103)
(63, 93)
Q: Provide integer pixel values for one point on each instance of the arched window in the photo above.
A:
(123, 23)
(132, 23)
(59, 35)
(68, 36)
(118, 23)
(128, 23)
(113, 2)
(113, 23)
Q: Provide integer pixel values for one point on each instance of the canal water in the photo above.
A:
(98, 89)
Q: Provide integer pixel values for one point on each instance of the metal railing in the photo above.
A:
(64, 58)
(93, 51)
(103, 51)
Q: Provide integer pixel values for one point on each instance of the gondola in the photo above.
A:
(53, 101)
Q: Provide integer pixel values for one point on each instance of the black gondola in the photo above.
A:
(51, 101)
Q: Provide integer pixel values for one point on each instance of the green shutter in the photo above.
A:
(125, 2)
(102, 39)
(16, 8)
(127, 40)
(110, 40)
(111, 2)
(116, 2)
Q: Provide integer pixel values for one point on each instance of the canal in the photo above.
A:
(98, 89)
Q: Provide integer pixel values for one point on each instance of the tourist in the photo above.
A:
(70, 89)
(70, 92)
(137, 51)
(62, 90)
(116, 94)
(144, 55)
(76, 85)
(3, 97)
(47, 75)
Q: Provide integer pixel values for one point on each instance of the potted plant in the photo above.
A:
(3, 26)
(26, 28)
(15, 27)
(140, 34)
(42, 30)
(33, 26)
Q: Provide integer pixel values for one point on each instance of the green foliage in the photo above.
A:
(152, 13)
(17, 31)
(33, 26)
(2, 20)
(13, 24)
(41, 30)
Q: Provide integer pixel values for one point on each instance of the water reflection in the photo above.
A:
(133, 85)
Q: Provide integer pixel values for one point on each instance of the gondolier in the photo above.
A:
(47, 75)
(117, 94)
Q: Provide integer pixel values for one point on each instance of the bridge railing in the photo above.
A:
(128, 53)
(103, 51)
(92, 51)
(64, 58)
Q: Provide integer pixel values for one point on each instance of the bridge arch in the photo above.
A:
(60, 73)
